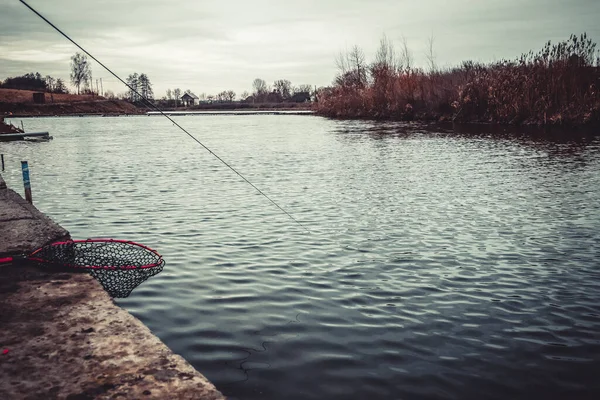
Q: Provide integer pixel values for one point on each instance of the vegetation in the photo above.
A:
(81, 71)
(35, 81)
(139, 88)
(263, 96)
(282, 91)
(557, 85)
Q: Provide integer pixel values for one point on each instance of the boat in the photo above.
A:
(7, 137)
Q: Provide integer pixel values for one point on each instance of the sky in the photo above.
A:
(210, 46)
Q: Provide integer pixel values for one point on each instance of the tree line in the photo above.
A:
(139, 88)
(35, 81)
(281, 91)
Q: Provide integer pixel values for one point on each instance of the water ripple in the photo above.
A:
(439, 265)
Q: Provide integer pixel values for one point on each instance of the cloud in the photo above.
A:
(209, 46)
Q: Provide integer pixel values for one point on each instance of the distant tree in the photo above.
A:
(81, 70)
(230, 95)
(60, 87)
(431, 55)
(50, 82)
(302, 89)
(202, 96)
(133, 87)
(28, 81)
(244, 95)
(352, 69)
(169, 94)
(260, 89)
(145, 87)
(406, 57)
(109, 94)
(283, 87)
(177, 95)
(210, 98)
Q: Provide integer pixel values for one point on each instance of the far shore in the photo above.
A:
(19, 104)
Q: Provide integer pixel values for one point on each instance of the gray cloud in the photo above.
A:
(209, 46)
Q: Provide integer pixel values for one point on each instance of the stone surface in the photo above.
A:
(66, 339)
(62, 336)
(22, 227)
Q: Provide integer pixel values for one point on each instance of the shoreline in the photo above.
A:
(63, 336)
(73, 110)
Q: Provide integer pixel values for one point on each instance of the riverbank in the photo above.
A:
(62, 336)
(95, 107)
(20, 103)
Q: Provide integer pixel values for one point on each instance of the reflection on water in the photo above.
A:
(440, 263)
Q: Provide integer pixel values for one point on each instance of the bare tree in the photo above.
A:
(283, 87)
(230, 95)
(244, 95)
(431, 55)
(386, 55)
(383, 72)
(260, 88)
(406, 56)
(303, 89)
(356, 59)
(169, 95)
(81, 70)
(341, 63)
(352, 69)
(177, 95)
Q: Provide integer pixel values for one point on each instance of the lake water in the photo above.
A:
(438, 264)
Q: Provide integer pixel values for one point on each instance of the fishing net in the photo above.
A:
(120, 266)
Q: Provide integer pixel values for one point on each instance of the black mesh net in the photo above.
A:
(118, 265)
(120, 282)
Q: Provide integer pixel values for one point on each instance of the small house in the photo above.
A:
(189, 99)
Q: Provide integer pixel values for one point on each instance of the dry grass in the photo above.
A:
(557, 85)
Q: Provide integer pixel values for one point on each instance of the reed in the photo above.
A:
(556, 85)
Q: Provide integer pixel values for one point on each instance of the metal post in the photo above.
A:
(2, 156)
(22, 128)
(26, 182)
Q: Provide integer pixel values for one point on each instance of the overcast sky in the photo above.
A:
(209, 46)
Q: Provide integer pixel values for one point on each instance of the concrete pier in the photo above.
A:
(62, 336)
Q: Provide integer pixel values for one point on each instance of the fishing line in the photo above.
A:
(163, 114)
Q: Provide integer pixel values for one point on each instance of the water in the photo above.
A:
(439, 265)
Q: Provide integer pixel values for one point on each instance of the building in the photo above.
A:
(189, 99)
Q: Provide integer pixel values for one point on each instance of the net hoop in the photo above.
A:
(156, 258)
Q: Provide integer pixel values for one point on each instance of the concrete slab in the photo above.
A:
(23, 228)
(62, 336)
(66, 339)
